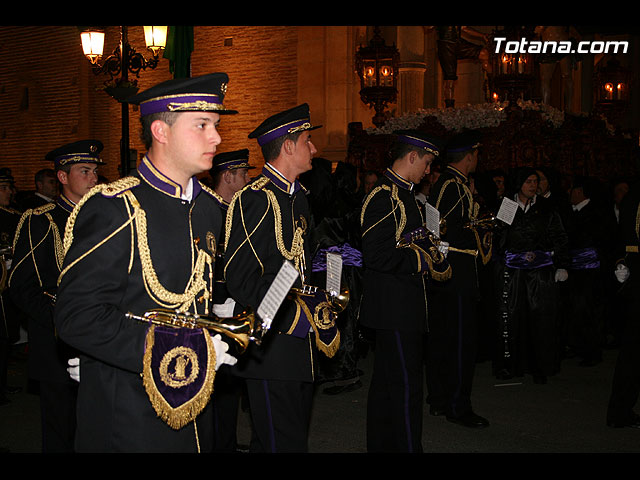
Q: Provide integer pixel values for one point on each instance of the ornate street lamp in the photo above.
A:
(377, 67)
(122, 61)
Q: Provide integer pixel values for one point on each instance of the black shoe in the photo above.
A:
(540, 379)
(634, 422)
(504, 374)
(337, 389)
(12, 390)
(589, 362)
(470, 420)
(436, 411)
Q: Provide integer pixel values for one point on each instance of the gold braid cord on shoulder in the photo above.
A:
(137, 216)
(396, 204)
(474, 208)
(294, 254)
(55, 233)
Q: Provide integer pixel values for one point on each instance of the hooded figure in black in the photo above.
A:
(534, 254)
(587, 243)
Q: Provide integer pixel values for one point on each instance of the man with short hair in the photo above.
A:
(138, 247)
(46, 183)
(268, 223)
(37, 260)
(230, 174)
(453, 325)
(394, 290)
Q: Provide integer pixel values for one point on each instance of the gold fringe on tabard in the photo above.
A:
(429, 258)
(321, 319)
(178, 417)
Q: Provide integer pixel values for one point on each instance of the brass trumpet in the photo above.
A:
(421, 233)
(488, 222)
(242, 328)
(337, 301)
(5, 255)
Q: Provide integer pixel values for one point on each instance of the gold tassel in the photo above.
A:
(178, 417)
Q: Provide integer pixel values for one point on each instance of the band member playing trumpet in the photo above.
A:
(453, 336)
(36, 267)
(398, 258)
(144, 242)
(268, 223)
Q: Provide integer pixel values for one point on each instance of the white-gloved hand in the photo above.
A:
(224, 310)
(561, 275)
(222, 357)
(74, 368)
(443, 247)
(622, 272)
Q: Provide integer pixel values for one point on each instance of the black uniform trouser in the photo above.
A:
(58, 414)
(395, 402)
(225, 402)
(280, 415)
(625, 388)
(452, 351)
(586, 329)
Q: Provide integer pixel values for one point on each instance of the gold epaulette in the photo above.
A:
(47, 207)
(117, 187)
(110, 190)
(11, 210)
(372, 193)
(631, 249)
(259, 183)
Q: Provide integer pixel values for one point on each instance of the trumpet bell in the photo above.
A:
(241, 329)
(337, 301)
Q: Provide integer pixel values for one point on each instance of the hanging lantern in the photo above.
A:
(377, 67)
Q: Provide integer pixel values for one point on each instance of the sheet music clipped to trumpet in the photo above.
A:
(277, 292)
(432, 219)
(334, 272)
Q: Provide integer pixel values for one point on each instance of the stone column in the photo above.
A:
(411, 69)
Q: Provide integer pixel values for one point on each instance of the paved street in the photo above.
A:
(567, 415)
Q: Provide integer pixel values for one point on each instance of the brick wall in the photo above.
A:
(49, 96)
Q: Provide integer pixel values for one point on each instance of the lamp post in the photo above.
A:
(377, 67)
(118, 65)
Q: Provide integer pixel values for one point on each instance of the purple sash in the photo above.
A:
(584, 258)
(528, 260)
(350, 256)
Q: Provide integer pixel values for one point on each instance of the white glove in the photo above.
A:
(443, 247)
(622, 272)
(561, 275)
(74, 368)
(222, 357)
(224, 310)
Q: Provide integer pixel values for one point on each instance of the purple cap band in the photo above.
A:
(464, 148)
(231, 164)
(290, 127)
(200, 102)
(418, 142)
(77, 158)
